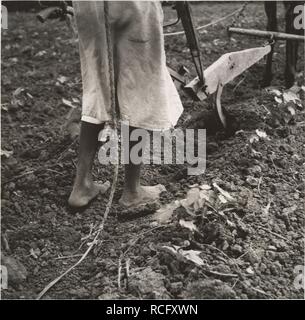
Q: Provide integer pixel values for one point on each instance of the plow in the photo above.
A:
(209, 82)
(206, 84)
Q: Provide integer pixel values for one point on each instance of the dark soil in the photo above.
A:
(249, 251)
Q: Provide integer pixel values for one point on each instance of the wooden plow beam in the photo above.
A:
(266, 34)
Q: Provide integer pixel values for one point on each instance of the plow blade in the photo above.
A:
(224, 70)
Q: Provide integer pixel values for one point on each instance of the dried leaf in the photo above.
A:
(40, 53)
(261, 133)
(165, 213)
(231, 224)
(291, 96)
(188, 224)
(250, 270)
(223, 192)
(276, 92)
(278, 100)
(208, 195)
(253, 138)
(191, 255)
(62, 79)
(6, 153)
(192, 196)
(266, 209)
(17, 92)
(222, 198)
(33, 254)
(196, 185)
(205, 187)
(291, 110)
(68, 103)
(256, 152)
(4, 107)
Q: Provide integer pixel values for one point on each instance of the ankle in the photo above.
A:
(84, 182)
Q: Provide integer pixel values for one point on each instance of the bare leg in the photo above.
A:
(134, 194)
(85, 189)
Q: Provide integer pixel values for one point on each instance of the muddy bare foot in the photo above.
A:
(145, 195)
(81, 196)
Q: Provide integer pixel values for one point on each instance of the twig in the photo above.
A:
(5, 242)
(69, 146)
(259, 185)
(28, 172)
(127, 268)
(255, 289)
(267, 110)
(119, 273)
(273, 233)
(220, 251)
(215, 210)
(242, 255)
(274, 165)
(19, 176)
(224, 254)
(139, 237)
(68, 257)
(55, 171)
(220, 274)
(239, 83)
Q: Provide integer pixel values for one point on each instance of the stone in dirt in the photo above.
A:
(209, 289)
(17, 272)
(148, 284)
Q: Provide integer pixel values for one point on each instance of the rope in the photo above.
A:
(239, 14)
(209, 24)
(113, 109)
(116, 169)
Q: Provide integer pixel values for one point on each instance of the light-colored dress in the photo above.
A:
(146, 94)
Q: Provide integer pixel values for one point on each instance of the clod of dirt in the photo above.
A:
(140, 211)
(79, 293)
(213, 231)
(17, 272)
(148, 284)
(68, 236)
(109, 296)
(209, 289)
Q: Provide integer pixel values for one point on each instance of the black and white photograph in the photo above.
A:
(152, 151)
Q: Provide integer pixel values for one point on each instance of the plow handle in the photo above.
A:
(48, 13)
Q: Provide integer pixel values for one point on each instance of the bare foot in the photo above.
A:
(82, 195)
(145, 195)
